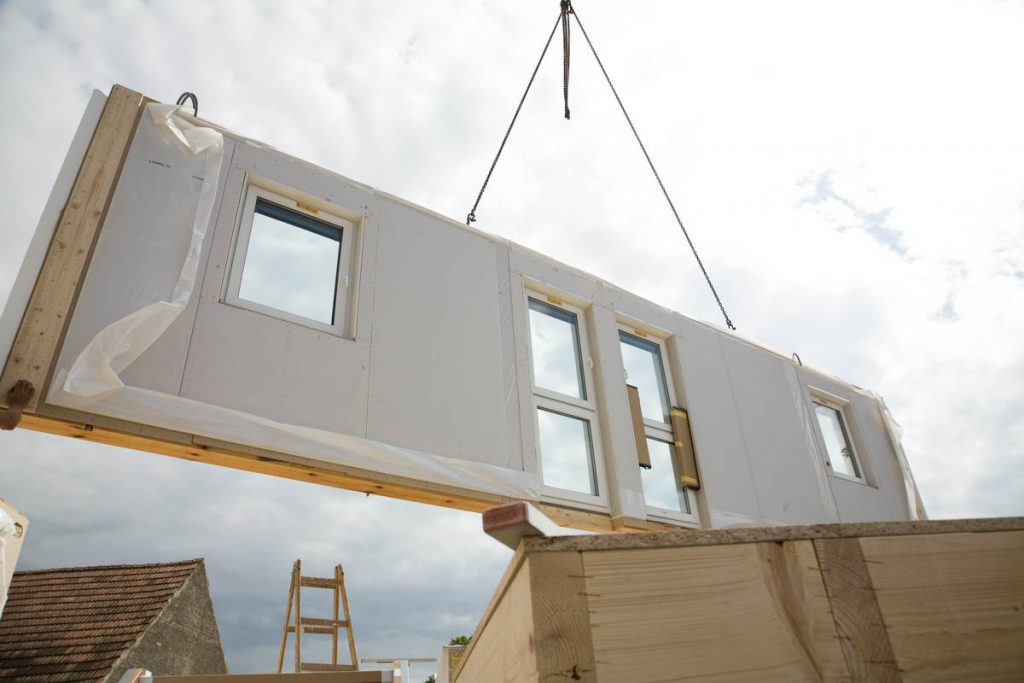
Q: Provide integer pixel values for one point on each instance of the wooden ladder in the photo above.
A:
(323, 626)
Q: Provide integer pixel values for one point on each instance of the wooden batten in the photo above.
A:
(686, 458)
(937, 601)
(53, 298)
(643, 456)
(210, 451)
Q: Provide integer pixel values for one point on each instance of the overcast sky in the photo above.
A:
(851, 172)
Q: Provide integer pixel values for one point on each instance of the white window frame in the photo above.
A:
(343, 278)
(839, 404)
(657, 429)
(584, 409)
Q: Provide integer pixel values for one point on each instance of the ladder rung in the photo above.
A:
(306, 666)
(312, 621)
(314, 582)
(327, 630)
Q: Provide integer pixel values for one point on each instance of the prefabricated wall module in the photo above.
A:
(194, 293)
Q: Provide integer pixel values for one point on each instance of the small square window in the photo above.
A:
(838, 449)
(291, 261)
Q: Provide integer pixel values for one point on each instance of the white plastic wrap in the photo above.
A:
(915, 506)
(93, 383)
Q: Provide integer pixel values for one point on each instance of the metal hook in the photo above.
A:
(796, 357)
(189, 97)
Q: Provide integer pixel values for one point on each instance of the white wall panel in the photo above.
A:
(718, 439)
(791, 489)
(436, 379)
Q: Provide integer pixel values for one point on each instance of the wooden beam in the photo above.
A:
(863, 638)
(561, 618)
(953, 604)
(212, 452)
(46, 317)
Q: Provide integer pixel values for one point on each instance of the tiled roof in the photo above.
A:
(73, 624)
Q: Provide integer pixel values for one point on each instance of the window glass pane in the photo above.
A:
(840, 455)
(291, 263)
(642, 360)
(566, 452)
(556, 350)
(661, 481)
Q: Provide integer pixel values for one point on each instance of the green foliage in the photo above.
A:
(431, 679)
(460, 640)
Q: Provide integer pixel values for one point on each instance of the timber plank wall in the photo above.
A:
(903, 601)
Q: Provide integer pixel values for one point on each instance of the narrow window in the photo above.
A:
(291, 261)
(565, 414)
(645, 369)
(838, 450)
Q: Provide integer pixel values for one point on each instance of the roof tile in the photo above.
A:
(72, 625)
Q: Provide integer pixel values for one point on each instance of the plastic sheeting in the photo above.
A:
(93, 383)
(915, 506)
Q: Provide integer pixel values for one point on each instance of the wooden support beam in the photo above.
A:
(46, 317)
(863, 638)
(142, 438)
(561, 618)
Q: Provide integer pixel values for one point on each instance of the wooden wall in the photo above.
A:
(934, 601)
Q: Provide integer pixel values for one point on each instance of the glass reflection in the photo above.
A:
(642, 360)
(566, 452)
(556, 350)
(661, 489)
(291, 263)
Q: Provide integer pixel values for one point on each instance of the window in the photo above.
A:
(292, 261)
(835, 436)
(566, 412)
(645, 369)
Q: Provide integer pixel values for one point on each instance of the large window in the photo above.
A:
(642, 358)
(566, 413)
(292, 261)
(837, 445)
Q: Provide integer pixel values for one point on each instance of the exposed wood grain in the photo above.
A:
(341, 593)
(793, 580)
(953, 604)
(561, 620)
(288, 616)
(709, 613)
(503, 647)
(863, 637)
(56, 289)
